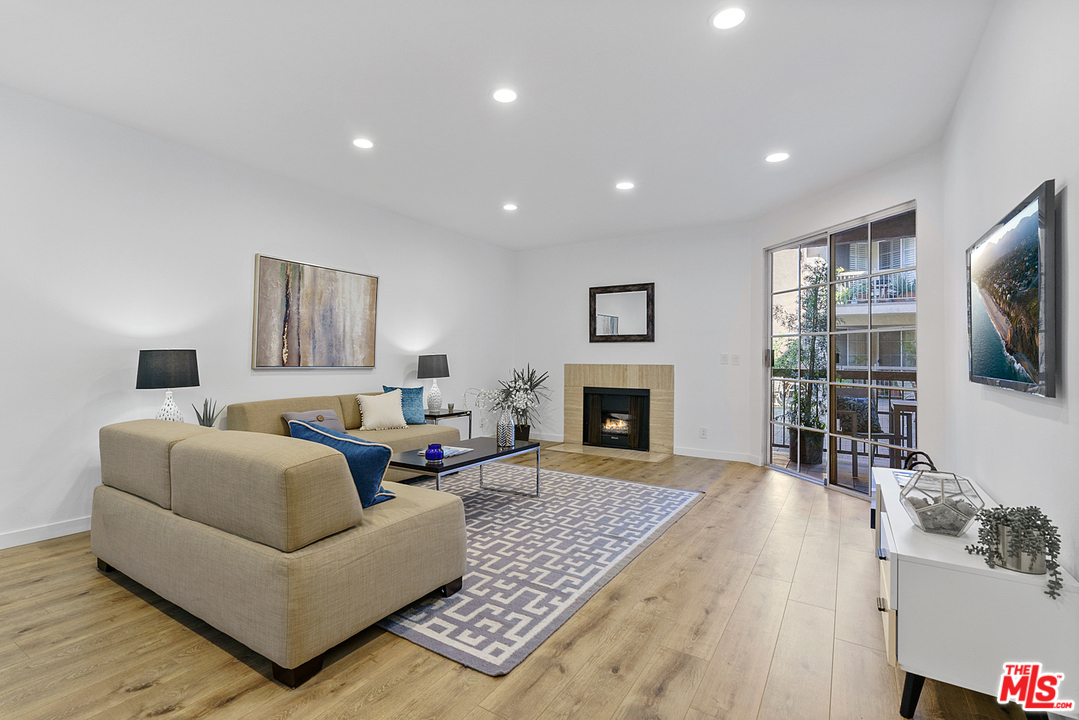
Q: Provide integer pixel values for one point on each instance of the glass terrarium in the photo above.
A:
(941, 502)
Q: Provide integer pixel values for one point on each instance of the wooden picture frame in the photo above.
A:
(642, 325)
(309, 316)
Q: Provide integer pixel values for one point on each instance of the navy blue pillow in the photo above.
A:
(367, 461)
(411, 404)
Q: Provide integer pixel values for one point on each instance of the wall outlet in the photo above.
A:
(704, 433)
(736, 359)
(723, 358)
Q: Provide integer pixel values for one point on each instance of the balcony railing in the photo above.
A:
(897, 287)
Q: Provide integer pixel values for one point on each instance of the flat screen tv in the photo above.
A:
(1011, 299)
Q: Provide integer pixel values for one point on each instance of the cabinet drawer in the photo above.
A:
(889, 564)
(887, 611)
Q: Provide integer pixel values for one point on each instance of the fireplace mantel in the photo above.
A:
(658, 379)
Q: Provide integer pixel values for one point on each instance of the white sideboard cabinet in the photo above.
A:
(950, 617)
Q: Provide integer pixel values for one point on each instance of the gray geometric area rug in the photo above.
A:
(533, 562)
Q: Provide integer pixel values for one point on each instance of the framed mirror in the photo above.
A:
(622, 313)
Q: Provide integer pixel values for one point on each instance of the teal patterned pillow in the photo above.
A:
(411, 403)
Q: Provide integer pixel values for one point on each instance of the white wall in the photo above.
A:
(711, 290)
(703, 301)
(1015, 125)
(114, 241)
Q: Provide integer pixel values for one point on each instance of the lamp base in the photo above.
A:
(434, 397)
(169, 411)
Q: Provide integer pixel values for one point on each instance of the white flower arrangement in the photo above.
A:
(521, 395)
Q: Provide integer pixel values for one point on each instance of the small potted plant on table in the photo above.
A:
(1021, 539)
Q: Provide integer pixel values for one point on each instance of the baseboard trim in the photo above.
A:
(44, 532)
(719, 455)
(544, 436)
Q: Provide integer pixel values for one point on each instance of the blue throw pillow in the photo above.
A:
(411, 404)
(367, 461)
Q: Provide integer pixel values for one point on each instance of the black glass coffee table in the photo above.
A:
(482, 451)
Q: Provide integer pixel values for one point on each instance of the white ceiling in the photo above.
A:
(608, 90)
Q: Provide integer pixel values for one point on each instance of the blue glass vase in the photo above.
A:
(434, 453)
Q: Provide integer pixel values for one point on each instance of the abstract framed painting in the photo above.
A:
(308, 316)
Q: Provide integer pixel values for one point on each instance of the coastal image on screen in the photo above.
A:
(1004, 301)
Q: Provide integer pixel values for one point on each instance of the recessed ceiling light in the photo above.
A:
(625, 185)
(509, 206)
(504, 95)
(363, 143)
(777, 157)
(728, 18)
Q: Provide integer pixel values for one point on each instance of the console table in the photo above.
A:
(949, 616)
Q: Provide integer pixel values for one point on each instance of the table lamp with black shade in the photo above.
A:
(167, 369)
(434, 367)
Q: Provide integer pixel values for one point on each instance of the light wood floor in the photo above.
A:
(759, 603)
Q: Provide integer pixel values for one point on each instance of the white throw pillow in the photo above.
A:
(381, 412)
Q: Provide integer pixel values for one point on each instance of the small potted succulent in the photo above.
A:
(209, 413)
(1021, 539)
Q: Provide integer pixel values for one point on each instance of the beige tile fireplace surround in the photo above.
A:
(657, 379)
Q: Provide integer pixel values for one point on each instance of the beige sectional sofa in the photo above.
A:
(265, 416)
(264, 538)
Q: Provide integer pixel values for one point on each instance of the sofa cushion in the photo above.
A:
(278, 491)
(381, 412)
(367, 461)
(412, 437)
(411, 404)
(350, 410)
(324, 418)
(135, 456)
(264, 416)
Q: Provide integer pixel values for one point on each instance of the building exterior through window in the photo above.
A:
(843, 382)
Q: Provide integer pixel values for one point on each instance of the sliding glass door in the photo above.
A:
(843, 377)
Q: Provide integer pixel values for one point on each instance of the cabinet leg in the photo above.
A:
(912, 690)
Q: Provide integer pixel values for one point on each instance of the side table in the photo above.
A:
(443, 413)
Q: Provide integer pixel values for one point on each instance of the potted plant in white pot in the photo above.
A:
(1021, 539)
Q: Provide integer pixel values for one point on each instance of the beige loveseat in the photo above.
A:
(263, 536)
(265, 416)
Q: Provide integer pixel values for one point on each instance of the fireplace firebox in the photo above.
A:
(616, 417)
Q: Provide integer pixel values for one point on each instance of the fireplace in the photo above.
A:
(616, 418)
